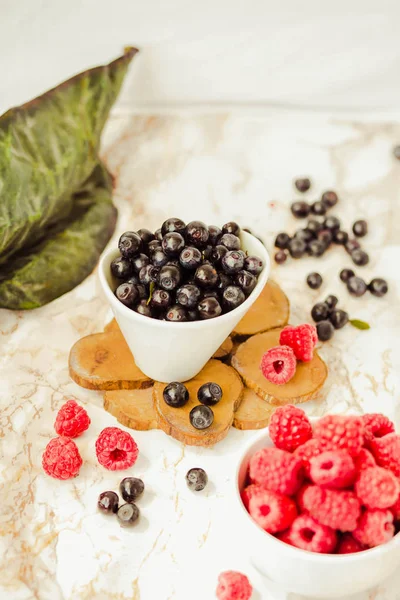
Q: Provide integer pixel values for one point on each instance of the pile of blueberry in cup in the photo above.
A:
(184, 272)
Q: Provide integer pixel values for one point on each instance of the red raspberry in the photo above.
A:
(246, 494)
(313, 447)
(233, 586)
(348, 545)
(386, 452)
(333, 469)
(375, 527)
(364, 460)
(61, 458)
(72, 420)
(301, 339)
(284, 536)
(306, 533)
(345, 432)
(271, 511)
(377, 488)
(116, 449)
(376, 426)
(338, 509)
(289, 428)
(395, 509)
(276, 470)
(278, 365)
(300, 497)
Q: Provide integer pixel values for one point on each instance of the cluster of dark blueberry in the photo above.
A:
(357, 286)
(328, 317)
(130, 489)
(176, 395)
(184, 272)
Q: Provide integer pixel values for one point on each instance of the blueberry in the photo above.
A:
(133, 279)
(131, 488)
(209, 308)
(207, 253)
(340, 237)
(142, 291)
(196, 479)
(352, 245)
(197, 234)
(223, 281)
(192, 315)
(280, 257)
(158, 235)
(300, 209)
(230, 241)
(173, 243)
(360, 228)
(329, 199)
(232, 297)
(121, 268)
(304, 234)
(356, 286)
(359, 257)
(314, 281)
(325, 330)
(316, 248)
(209, 393)
(173, 225)
(320, 311)
(127, 293)
(146, 236)
(206, 276)
(231, 227)
(176, 394)
(325, 236)
(169, 277)
(303, 184)
(314, 226)
(345, 274)
(318, 208)
(140, 261)
(253, 265)
(160, 299)
(296, 248)
(232, 262)
(282, 240)
(217, 254)
(331, 301)
(210, 294)
(159, 258)
(378, 287)
(190, 257)
(148, 274)
(214, 234)
(246, 281)
(153, 246)
(176, 314)
(332, 223)
(188, 295)
(338, 318)
(127, 515)
(108, 502)
(142, 308)
(129, 244)
(201, 416)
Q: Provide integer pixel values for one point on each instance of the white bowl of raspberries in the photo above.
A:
(319, 501)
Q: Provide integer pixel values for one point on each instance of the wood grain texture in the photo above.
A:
(269, 311)
(253, 412)
(132, 408)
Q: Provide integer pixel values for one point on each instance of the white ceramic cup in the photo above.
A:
(167, 351)
(301, 572)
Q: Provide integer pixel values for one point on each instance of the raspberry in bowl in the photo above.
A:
(318, 502)
(171, 347)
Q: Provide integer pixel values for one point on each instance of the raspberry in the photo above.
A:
(338, 509)
(271, 511)
(376, 426)
(375, 527)
(246, 494)
(72, 420)
(61, 458)
(313, 447)
(289, 428)
(364, 460)
(301, 339)
(345, 432)
(386, 452)
(348, 545)
(395, 509)
(300, 497)
(278, 365)
(333, 469)
(284, 536)
(116, 449)
(233, 586)
(306, 533)
(377, 488)
(276, 470)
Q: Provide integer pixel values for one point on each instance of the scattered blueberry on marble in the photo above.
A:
(196, 479)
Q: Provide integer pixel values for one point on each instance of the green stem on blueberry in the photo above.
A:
(152, 286)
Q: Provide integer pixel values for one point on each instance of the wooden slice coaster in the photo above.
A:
(253, 412)
(269, 311)
(304, 386)
(132, 408)
(175, 421)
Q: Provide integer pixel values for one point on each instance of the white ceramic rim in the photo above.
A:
(112, 253)
(356, 556)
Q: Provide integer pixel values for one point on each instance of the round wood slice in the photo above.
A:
(175, 421)
(103, 361)
(132, 408)
(269, 311)
(253, 412)
(305, 385)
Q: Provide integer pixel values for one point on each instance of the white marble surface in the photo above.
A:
(54, 544)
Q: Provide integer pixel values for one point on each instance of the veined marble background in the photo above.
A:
(217, 167)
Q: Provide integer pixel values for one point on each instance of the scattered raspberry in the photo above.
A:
(306, 533)
(375, 527)
(301, 339)
(289, 428)
(61, 458)
(395, 509)
(364, 460)
(348, 545)
(116, 449)
(276, 470)
(72, 420)
(386, 452)
(271, 511)
(376, 426)
(377, 488)
(345, 432)
(313, 447)
(338, 509)
(300, 497)
(278, 365)
(233, 586)
(333, 469)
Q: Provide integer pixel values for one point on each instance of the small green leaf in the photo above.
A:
(152, 286)
(359, 324)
